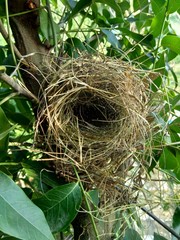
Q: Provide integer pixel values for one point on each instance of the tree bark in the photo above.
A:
(25, 28)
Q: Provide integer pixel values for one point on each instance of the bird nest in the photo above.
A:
(95, 113)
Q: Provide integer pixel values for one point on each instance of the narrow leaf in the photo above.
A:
(4, 127)
(19, 217)
(79, 7)
(60, 205)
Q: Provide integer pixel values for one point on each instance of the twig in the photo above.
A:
(16, 86)
(6, 37)
(161, 223)
(87, 204)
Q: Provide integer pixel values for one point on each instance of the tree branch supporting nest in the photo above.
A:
(16, 86)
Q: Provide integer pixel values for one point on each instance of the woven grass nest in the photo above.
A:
(96, 111)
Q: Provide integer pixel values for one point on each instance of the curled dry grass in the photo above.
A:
(95, 111)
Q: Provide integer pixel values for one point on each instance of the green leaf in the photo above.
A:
(111, 37)
(176, 220)
(60, 205)
(173, 6)
(158, 237)
(157, 22)
(82, 4)
(4, 131)
(172, 42)
(140, 5)
(19, 217)
(113, 5)
(157, 5)
(74, 46)
(70, 4)
(175, 125)
(2, 8)
(168, 160)
(143, 40)
(131, 234)
(94, 195)
(46, 27)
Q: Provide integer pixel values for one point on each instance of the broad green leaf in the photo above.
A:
(60, 205)
(131, 234)
(172, 42)
(124, 5)
(158, 22)
(4, 131)
(159, 237)
(19, 217)
(157, 5)
(168, 160)
(173, 6)
(111, 37)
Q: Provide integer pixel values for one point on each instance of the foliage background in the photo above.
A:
(145, 33)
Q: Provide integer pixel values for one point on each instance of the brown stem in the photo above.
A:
(16, 86)
(25, 27)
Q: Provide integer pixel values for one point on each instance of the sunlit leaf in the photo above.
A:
(19, 217)
(157, 22)
(111, 37)
(173, 6)
(157, 5)
(172, 42)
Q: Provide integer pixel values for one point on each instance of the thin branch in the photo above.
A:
(175, 234)
(17, 87)
(6, 37)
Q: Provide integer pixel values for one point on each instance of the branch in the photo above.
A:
(16, 86)
(6, 37)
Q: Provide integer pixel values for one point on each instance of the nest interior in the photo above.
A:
(95, 109)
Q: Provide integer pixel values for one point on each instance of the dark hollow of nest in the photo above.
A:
(94, 110)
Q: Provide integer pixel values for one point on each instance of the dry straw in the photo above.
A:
(95, 110)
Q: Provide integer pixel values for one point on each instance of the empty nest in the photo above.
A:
(95, 113)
